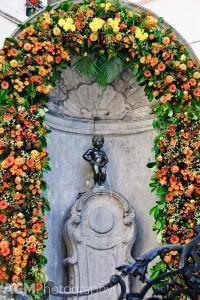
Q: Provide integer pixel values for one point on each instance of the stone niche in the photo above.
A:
(78, 109)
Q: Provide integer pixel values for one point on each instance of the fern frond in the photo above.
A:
(109, 70)
(86, 66)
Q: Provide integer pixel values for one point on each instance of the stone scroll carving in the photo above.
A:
(99, 235)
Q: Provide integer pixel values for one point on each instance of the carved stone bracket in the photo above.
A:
(99, 235)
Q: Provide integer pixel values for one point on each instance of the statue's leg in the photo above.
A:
(96, 174)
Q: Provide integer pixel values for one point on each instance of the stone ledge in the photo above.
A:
(79, 126)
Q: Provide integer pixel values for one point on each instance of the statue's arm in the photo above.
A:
(105, 159)
(87, 155)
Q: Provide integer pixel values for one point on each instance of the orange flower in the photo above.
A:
(21, 241)
(36, 212)
(169, 79)
(172, 88)
(32, 239)
(13, 52)
(174, 239)
(15, 278)
(30, 162)
(3, 204)
(21, 100)
(5, 85)
(19, 161)
(7, 117)
(161, 67)
(36, 228)
(3, 219)
(27, 46)
(147, 73)
(39, 60)
(65, 55)
(175, 169)
(56, 31)
(94, 36)
(196, 92)
(42, 72)
(8, 162)
(193, 82)
(13, 63)
(167, 259)
(166, 40)
(4, 244)
(5, 251)
(169, 197)
(39, 286)
(2, 130)
(175, 227)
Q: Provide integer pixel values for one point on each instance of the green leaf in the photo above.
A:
(5, 67)
(160, 21)
(48, 8)
(43, 186)
(151, 165)
(161, 191)
(86, 66)
(43, 260)
(110, 69)
(46, 204)
(66, 5)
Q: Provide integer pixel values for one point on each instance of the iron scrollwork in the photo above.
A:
(183, 280)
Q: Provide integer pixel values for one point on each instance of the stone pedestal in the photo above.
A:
(99, 235)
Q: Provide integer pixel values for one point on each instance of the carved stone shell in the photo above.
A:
(92, 101)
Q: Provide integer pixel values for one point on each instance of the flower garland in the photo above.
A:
(108, 38)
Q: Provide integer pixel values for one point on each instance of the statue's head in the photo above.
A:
(98, 141)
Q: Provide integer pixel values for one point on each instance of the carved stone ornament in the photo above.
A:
(76, 102)
(99, 235)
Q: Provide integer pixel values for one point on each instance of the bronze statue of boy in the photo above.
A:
(97, 159)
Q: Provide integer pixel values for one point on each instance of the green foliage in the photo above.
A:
(110, 69)
(66, 5)
(87, 67)
(151, 165)
(102, 70)
(158, 269)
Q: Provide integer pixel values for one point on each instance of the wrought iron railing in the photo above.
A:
(182, 280)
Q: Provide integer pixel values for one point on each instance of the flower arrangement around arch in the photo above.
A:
(106, 38)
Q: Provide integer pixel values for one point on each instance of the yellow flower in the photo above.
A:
(141, 35)
(151, 21)
(47, 18)
(96, 24)
(114, 24)
(61, 22)
(108, 6)
(69, 24)
(118, 36)
(183, 57)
